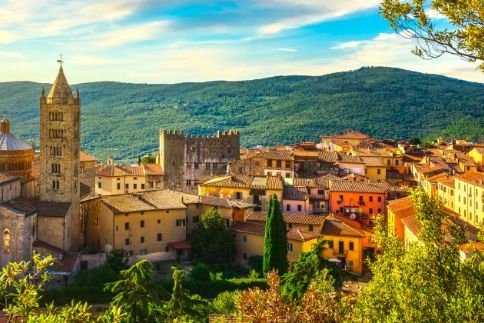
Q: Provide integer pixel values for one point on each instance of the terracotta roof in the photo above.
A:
(357, 186)
(259, 229)
(68, 263)
(295, 193)
(342, 158)
(323, 181)
(450, 182)
(85, 157)
(180, 245)
(438, 177)
(110, 170)
(473, 177)
(6, 178)
(412, 224)
(373, 161)
(335, 227)
(153, 169)
(355, 177)
(306, 153)
(48, 246)
(128, 170)
(275, 154)
(469, 246)
(164, 199)
(371, 152)
(126, 203)
(288, 218)
(352, 134)
(400, 204)
(244, 181)
(33, 205)
(224, 202)
(328, 156)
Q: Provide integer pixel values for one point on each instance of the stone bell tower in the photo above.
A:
(59, 158)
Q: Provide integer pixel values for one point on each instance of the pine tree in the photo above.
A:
(275, 239)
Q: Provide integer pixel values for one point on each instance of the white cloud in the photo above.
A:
(348, 44)
(289, 50)
(6, 37)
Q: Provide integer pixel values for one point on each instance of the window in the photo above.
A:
(126, 241)
(289, 225)
(99, 185)
(370, 210)
(158, 221)
(126, 186)
(379, 211)
(389, 162)
(244, 238)
(288, 207)
(360, 198)
(196, 219)
(299, 207)
(142, 239)
(341, 198)
(244, 255)
(310, 227)
(118, 186)
(158, 237)
(129, 253)
(371, 198)
(142, 186)
(180, 222)
(278, 163)
(289, 246)
(341, 247)
(320, 192)
(55, 168)
(352, 245)
(55, 185)
(238, 195)
(330, 244)
(142, 223)
(126, 225)
(135, 186)
(378, 171)
(288, 164)
(379, 198)
(396, 162)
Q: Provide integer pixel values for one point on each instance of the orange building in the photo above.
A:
(398, 210)
(358, 200)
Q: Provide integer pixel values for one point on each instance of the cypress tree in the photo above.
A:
(275, 239)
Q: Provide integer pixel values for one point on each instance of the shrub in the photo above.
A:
(200, 272)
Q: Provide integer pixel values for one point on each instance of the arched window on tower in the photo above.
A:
(6, 241)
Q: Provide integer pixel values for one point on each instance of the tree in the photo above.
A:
(462, 33)
(183, 305)
(117, 260)
(424, 281)
(200, 272)
(137, 295)
(211, 241)
(415, 141)
(275, 239)
(306, 269)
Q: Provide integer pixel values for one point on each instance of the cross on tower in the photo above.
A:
(60, 61)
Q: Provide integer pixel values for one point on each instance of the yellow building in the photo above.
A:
(375, 169)
(249, 241)
(250, 189)
(118, 179)
(477, 154)
(469, 197)
(345, 243)
(446, 192)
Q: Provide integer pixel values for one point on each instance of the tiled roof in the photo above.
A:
(350, 135)
(371, 152)
(131, 170)
(126, 203)
(85, 157)
(259, 229)
(357, 186)
(412, 224)
(295, 193)
(373, 161)
(342, 158)
(85, 190)
(109, 170)
(275, 154)
(450, 182)
(167, 199)
(400, 204)
(323, 181)
(224, 202)
(180, 245)
(438, 177)
(244, 181)
(328, 156)
(6, 178)
(152, 169)
(335, 227)
(288, 218)
(473, 177)
(306, 153)
(33, 205)
(355, 177)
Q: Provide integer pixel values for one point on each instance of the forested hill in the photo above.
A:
(123, 119)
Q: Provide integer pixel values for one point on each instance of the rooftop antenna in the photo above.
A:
(60, 61)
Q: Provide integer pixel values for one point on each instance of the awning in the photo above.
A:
(180, 245)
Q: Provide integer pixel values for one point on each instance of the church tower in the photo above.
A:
(59, 158)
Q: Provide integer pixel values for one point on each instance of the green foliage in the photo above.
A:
(117, 260)
(96, 277)
(211, 241)
(306, 269)
(415, 141)
(256, 263)
(75, 313)
(137, 295)
(200, 272)
(226, 302)
(459, 33)
(384, 102)
(275, 239)
(148, 159)
(425, 281)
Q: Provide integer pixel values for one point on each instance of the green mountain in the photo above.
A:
(123, 119)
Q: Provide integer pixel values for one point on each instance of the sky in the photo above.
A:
(171, 41)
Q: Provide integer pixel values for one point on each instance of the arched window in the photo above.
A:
(6, 241)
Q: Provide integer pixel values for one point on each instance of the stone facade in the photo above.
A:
(184, 159)
(60, 162)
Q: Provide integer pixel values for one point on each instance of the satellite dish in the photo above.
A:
(352, 216)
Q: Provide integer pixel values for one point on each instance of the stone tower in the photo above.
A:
(59, 158)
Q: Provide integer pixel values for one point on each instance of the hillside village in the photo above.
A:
(64, 202)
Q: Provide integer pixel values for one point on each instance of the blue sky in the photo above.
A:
(171, 41)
